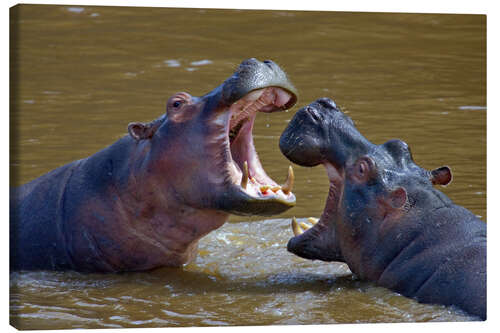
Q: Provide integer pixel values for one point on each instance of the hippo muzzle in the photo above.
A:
(320, 133)
(254, 87)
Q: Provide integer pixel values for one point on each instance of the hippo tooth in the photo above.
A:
(287, 187)
(304, 226)
(275, 188)
(244, 176)
(312, 220)
(295, 227)
(254, 95)
(264, 188)
(282, 97)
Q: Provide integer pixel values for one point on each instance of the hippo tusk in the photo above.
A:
(295, 227)
(304, 226)
(244, 176)
(312, 220)
(287, 187)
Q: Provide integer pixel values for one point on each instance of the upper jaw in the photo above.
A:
(304, 139)
(252, 75)
(254, 87)
(243, 187)
(253, 191)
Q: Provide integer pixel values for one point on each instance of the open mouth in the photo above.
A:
(312, 237)
(245, 169)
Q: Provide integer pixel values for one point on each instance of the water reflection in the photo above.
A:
(243, 276)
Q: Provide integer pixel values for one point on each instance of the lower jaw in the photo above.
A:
(315, 244)
(237, 202)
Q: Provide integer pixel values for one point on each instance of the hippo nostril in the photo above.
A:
(269, 63)
(327, 103)
(249, 62)
(313, 113)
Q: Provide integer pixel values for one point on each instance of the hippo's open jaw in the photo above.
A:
(304, 142)
(216, 130)
(312, 240)
(245, 170)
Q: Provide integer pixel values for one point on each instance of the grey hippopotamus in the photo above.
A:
(146, 200)
(383, 217)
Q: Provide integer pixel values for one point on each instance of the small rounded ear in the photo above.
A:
(441, 176)
(398, 198)
(140, 131)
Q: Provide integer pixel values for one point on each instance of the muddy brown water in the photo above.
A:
(81, 74)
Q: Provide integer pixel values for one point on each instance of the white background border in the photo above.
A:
(423, 6)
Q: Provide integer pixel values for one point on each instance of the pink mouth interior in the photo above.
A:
(336, 178)
(243, 114)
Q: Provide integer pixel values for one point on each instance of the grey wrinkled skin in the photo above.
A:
(383, 216)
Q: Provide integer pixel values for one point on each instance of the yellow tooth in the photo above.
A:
(295, 227)
(304, 226)
(244, 176)
(287, 187)
(264, 188)
(275, 188)
(312, 220)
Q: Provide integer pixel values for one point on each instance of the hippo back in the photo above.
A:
(443, 262)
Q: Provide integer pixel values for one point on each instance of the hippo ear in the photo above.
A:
(141, 131)
(137, 131)
(441, 176)
(398, 198)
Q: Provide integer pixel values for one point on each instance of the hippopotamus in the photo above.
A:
(146, 200)
(383, 217)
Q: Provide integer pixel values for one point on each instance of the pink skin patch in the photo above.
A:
(243, 114)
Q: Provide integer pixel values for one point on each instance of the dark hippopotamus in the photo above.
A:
(147, 199)
(383, 217)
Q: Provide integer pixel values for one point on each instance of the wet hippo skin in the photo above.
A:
(383, 216)
(146, 200)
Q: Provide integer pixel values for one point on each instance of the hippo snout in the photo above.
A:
(253, 74)
(316, 243)
(306, 139)
(321, 132)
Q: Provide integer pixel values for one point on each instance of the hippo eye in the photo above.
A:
(363, 169)
(177, 104)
